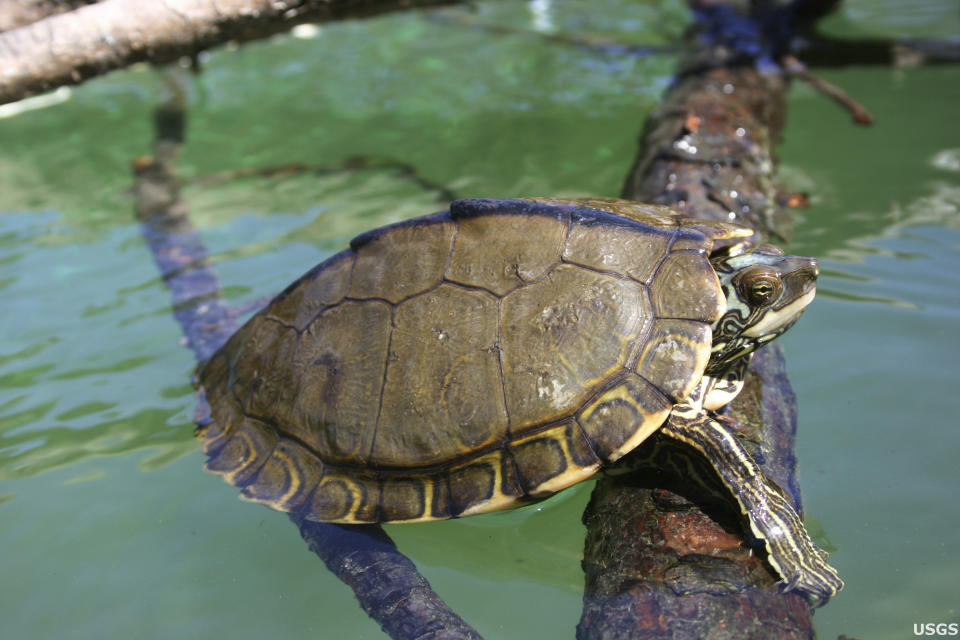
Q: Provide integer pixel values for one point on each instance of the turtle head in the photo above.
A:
(766, 292)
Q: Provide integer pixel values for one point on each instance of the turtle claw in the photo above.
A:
(809, 573)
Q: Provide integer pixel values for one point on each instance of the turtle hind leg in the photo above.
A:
(801, 565)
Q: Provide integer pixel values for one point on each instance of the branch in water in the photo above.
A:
(841, 97)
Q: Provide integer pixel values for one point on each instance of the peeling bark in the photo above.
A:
(70, 48)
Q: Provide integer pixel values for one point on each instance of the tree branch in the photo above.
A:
(18, 13)
(70, 48)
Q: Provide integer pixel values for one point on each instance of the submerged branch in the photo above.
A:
(857, 111)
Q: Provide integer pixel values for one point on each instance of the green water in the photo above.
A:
(108, 524)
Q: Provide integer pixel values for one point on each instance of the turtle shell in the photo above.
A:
(460, 362)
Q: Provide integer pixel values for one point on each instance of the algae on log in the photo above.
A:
(665, 555)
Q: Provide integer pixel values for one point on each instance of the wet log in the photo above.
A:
(385, 582)
(69, 48)
(666, 554)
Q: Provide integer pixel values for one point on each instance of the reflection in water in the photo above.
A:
(902, 243)
(541, 12)
(948, 159)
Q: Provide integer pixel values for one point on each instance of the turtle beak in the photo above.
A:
(799, 278)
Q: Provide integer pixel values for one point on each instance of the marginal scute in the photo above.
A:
(539, 458)
(579, 447)
(501, 252)
(686, 286)
(342, 498)
(402, 261)
(440, 506)
(341, 362)
(563, 335)
(244, 451)
(406, 498)
(213, 433)
(552, 459)
(675, 355)
(622, 417)
(287, 478)
(471, 485)
(692, 241)
(481, 485)
(442, 394)
(332, 500)
(323, 286)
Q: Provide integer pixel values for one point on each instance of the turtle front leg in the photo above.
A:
(801, 565)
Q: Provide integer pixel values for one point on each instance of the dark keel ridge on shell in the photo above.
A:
(466, 360)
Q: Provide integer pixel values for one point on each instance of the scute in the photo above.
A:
(443, 376)
(550, 460)
(287, 478)
(402, 261)
(623, 416)
(262, 381)
(562, 336)
(341, 363)
(633, 250)
(241, 455)
(686, 286)
(675, 355)
(495, 252)
(319, 288)
(460, 362)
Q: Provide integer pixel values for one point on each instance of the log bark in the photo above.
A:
(69, 48)
(19, 13)
(385, 582)
(685, 568)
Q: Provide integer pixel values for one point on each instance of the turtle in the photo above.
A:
(500, 351)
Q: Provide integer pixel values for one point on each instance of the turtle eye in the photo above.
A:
(762, 291)
(760, 285)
